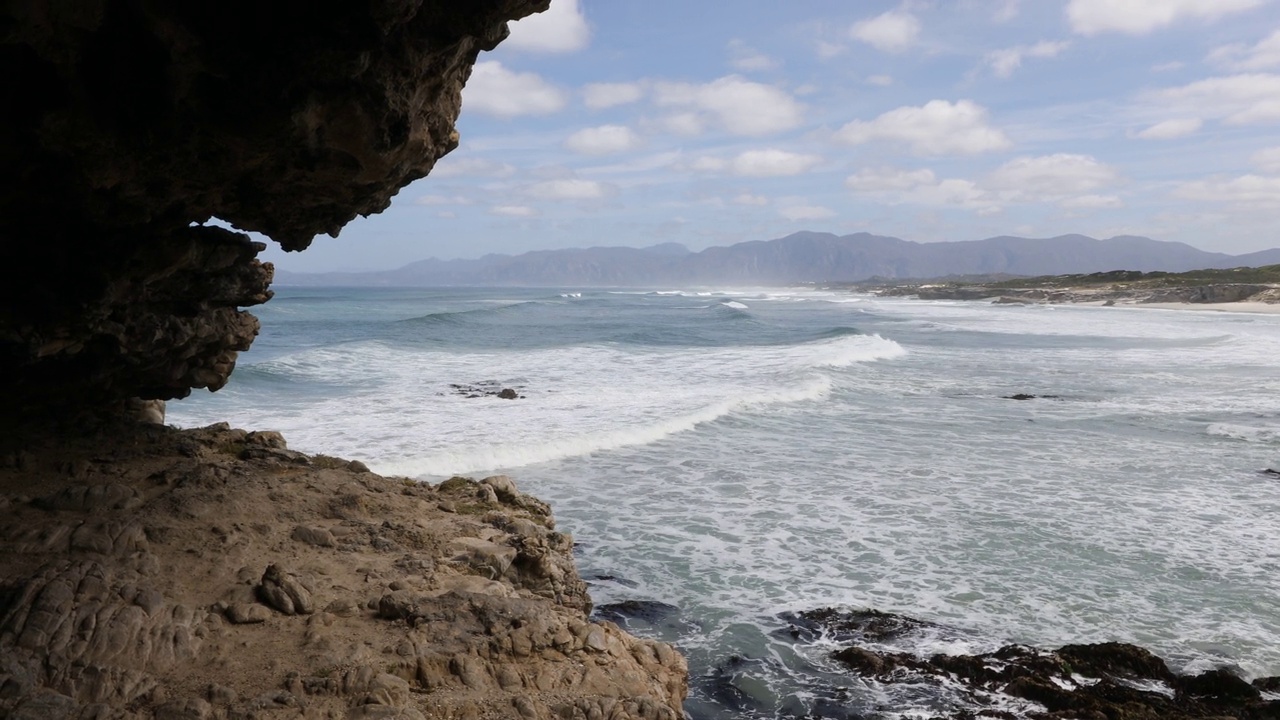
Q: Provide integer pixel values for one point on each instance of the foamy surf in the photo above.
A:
(1247, 433)
(486, 457)
(732, 462)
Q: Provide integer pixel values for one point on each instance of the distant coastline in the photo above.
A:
(1236, 289)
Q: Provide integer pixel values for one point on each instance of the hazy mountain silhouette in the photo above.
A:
(797, 258)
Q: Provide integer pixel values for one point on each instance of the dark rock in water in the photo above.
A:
(1267, 684)
(1112, 681)
(613, 579)
(864, 661)
(652, 612)
(1115, 659)
(1026, 396)
(844, 625)
(485, 389)
(1272, 473)
(1220, 684)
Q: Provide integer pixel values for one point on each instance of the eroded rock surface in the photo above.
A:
(217, 574)
(127, 125)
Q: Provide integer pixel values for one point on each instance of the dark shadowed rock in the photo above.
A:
(1113, 681)
(128, 126)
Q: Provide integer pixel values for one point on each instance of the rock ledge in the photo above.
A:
(215, 573)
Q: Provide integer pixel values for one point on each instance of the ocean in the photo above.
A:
(730, 456)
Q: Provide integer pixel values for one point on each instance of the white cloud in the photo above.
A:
(893, 31)
(1168, 66)
(1137, 17)
(1003, 62)
(560, 29)
(1051, 177)
(880, 80)
(566, 189)
(887, 178)
(470, 166)
(1267, 160)
(1245, 191)
(1091, 202)
(516, 211)
(603, 140)
(747, 59)
(749, 199)
(772, 163)
(798, 213)
(1170, 129)
(1239, 56)
(442, 200)
(738, 105)
(687, 124)
(1068, 180)
(1237, 99)
(937, 128)
(599, 96)
(495, 90)
(920, 187)
(709, 164)
(827, 50)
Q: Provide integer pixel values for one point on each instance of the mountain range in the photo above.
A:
(798, 258)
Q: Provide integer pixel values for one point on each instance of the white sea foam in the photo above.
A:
(401, 414)
(735, 305)
(739, 480)
(1248, 433)
(487, 456)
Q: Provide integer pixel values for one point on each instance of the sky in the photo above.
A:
(612, 123)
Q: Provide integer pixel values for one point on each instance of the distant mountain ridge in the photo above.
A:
(797, 258)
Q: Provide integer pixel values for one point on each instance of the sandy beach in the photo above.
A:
(1259, 308)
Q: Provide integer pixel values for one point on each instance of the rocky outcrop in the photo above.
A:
(129, 125)
(1102, 680)
(217, 574)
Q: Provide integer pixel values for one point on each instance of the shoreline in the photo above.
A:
(1248, 307)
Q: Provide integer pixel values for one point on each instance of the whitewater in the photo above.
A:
(738, 454)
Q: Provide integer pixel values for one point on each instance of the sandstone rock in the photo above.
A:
(486, 557)
(481, 608)
(187, 709)
(503, 486)
(283, 591)
(248, 613)
(320, 537)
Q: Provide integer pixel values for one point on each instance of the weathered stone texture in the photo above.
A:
(125, 595)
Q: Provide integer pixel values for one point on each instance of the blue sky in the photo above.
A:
(611, 123)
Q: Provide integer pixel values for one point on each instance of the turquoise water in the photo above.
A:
(739, 454)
